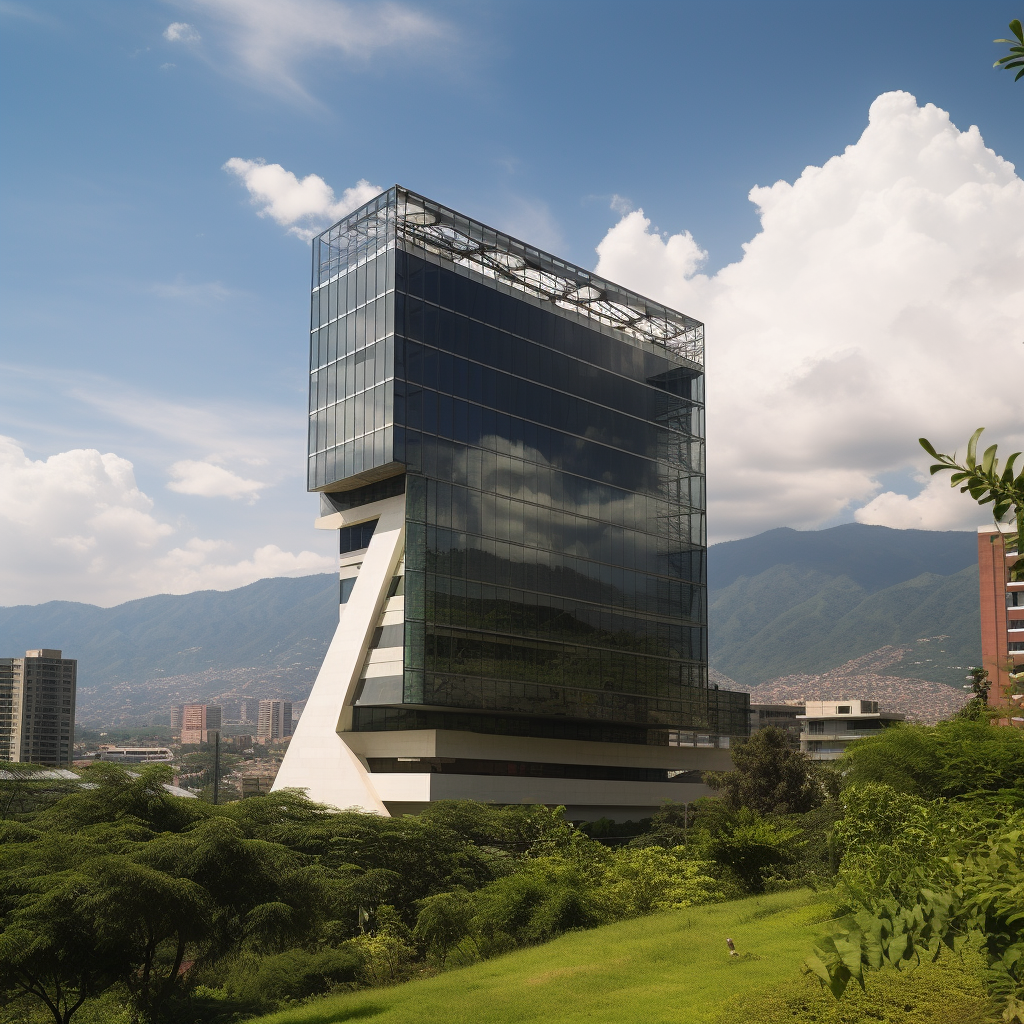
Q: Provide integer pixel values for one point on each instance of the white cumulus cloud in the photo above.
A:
(208, 480)
(191, 568)
(76, 527)
(181, 32)
(880, 302)
(305, 206)
(937, 507)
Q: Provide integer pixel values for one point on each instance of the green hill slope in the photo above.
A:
(671, 968)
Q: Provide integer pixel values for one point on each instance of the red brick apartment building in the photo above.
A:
(1002, 616)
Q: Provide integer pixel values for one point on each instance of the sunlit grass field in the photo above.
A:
(670, 968)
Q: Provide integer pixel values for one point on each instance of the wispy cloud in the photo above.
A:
(270, 40)
(23, 12)
(238, 431)
(181, 32)
(304, 206)
(530, 218)
(220, 431)
(208, 480)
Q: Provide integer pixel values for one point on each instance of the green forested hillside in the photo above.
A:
(785, 621)
(789, 601)
(271, 623)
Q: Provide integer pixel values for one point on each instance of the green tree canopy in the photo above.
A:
(769, 778)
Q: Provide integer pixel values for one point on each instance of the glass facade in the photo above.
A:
(548, 430)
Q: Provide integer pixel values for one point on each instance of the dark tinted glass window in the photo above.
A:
(355, 538)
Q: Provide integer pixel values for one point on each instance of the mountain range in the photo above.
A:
(791, 601)
(786, 603)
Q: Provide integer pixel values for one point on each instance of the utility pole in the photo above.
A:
(216, 765)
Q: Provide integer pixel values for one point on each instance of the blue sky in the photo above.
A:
(149, 312)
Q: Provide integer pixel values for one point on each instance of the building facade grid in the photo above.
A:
(555, 548)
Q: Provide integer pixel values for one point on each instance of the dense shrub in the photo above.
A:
(264, 981)
(959, 759)
(919, 875)
(949, 991)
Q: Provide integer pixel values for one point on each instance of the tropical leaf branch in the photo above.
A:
(987, 485)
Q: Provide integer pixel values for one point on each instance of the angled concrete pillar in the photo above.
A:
(318, 760)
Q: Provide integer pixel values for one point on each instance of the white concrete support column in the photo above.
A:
(318, 760)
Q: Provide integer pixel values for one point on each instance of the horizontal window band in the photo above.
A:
(400, 719)
(529, 769)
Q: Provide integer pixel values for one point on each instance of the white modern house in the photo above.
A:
(828, 727)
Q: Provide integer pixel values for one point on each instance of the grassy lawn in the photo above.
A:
(671, 968)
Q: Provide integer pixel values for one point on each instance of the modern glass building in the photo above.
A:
(512, 452)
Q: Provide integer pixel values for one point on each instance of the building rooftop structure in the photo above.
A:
(433, 230)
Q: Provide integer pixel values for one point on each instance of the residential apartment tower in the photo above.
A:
(37, 708)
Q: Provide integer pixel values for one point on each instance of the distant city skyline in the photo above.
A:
(850, 240)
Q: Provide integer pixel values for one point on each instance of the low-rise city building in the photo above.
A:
(135, 755)
(1002, 619)
(828, 727)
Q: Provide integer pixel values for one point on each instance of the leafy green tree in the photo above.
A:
(154, 897)
(639, 880)
(115, 794)
(443, 922)
(669, 826)
(769, 778)
(264, 981)
(514, 827)
(977, 707)
(545, 897)
(152, 919)
(387, 952)
(980, 683)
(53, 948)
(986, 485)
(1015, 58)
